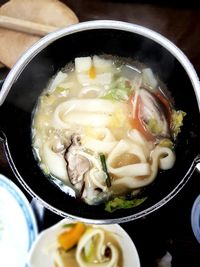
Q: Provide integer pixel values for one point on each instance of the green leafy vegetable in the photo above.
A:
(166, 143)
(89, 250)
(60, 89)
(176, 122)
(154, 127)
(48, 99)
(104, 167)
(67, 225)
(120, 90)
(123, 203)
(45, 169)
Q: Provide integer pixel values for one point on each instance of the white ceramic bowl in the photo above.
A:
(39, 257)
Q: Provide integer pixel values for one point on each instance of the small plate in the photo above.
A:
(39, 256)
(18, 228)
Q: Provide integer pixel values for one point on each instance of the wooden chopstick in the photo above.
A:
(25, 26)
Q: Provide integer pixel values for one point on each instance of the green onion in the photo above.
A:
(122, 203)
(68, 225)
(104, 167)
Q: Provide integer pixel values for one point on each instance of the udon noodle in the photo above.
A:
(105, 128)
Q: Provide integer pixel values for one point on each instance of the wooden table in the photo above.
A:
(168, 229)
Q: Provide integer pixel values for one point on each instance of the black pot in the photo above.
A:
(30, 75)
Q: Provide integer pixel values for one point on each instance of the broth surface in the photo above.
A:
(104, 127)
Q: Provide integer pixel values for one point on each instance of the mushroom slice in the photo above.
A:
(77, 165)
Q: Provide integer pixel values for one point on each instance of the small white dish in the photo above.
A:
(18, 228)
(39, 257)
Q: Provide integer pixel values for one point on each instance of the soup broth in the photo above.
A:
(104, 127)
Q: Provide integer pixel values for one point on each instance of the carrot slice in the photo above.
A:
(69, 239)
(92, 72)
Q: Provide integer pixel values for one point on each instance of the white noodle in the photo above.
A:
(102, 261)
(54, 161)
(161, 156)
(100, 146)
(137, 137)
(98, 178)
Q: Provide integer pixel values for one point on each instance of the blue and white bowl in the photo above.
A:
(18, 228)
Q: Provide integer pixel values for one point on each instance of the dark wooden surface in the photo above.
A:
(168, 229)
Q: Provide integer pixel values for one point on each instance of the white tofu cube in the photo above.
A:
(102, 65)
(83, 64)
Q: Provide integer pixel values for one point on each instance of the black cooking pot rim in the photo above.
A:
(100, 24)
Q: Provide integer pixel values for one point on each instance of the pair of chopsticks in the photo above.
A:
(25, 26)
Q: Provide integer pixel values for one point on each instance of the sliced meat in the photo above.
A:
(77, 165)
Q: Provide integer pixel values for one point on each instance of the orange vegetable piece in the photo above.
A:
(92, 73)
(69, 239)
